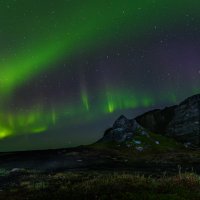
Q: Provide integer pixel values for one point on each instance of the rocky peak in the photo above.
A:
(181, 122)
(122, 130)
(185, 126)
(122, 122)
(191, 100)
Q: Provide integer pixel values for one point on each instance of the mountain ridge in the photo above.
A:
(181, 122)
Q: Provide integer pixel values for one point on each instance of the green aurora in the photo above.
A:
(35, 36)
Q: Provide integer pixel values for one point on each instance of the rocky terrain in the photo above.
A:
(159, 137)
(185, 125)
(181, 122)
(153, 156)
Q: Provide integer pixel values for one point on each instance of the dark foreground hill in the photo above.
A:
(156, 138)
(153, 156)
(102, 171)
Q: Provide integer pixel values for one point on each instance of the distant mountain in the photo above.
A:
(181, 122)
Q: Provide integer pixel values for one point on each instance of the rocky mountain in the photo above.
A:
(181, 122)
(185, 125)
(122, 130)
(157, 120)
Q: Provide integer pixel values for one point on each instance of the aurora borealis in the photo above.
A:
(68, 68)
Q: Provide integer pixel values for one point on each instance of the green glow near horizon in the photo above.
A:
(84, 95)
(37, 121)
(126, 99)
(85, 101)
(53, 117)
(77, 26)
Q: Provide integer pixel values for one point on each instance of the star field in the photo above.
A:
(69, 68)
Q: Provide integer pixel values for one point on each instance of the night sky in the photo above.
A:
(69, 68)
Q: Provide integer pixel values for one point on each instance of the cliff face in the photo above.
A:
(181, 122)
(185, 125)
(157, 120)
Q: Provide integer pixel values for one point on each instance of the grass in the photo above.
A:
(108, 185)
(151, 150)
(148, 142)
(102, 186)
(165, 143)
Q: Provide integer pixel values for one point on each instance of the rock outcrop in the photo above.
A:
(157, 120)
(181, 122)
(123, 130)
(185, 125)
